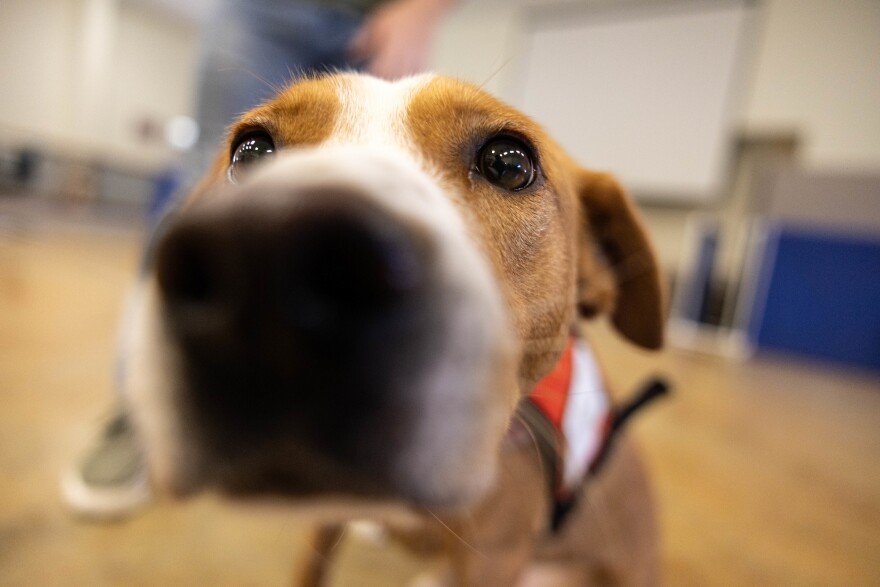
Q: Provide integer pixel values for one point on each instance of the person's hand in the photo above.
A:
(395, 39)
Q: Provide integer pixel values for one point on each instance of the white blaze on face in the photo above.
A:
(374, 111)
(461, 414)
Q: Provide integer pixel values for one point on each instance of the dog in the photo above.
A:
(352, 308)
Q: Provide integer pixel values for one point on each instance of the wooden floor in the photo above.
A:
(767, 473)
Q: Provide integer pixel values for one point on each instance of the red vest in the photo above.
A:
(573, 399)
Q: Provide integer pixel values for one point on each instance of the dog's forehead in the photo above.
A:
(374, 111)
(415, 114)
(338, 109)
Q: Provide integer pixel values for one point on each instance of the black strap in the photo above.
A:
(654, 389)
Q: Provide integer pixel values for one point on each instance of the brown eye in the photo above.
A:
(249, 150)
(507, 163)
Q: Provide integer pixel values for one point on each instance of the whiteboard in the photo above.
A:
(642, 90)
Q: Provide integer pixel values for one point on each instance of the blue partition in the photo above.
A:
(819, 296)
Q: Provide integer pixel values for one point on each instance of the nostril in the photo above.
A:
(352, 262)
(342, 268)
(185, 269)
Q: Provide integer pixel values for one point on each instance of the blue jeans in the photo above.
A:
(249, 50)
(252, 48)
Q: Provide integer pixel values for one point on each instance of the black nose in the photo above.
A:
(313, 272)
(340, 269)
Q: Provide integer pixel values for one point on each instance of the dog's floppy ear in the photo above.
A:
(617, 269)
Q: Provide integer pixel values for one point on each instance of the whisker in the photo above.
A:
(451, 531)
(498, 70)
(274, 87)
(339, 538)
(534, 442)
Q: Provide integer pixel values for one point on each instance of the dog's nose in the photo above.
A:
(312, 271)
(341, 268)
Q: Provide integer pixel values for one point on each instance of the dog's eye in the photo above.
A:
(250, 149)
(507, 163)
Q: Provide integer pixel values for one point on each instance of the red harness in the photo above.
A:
(570, 418)
(573, 400)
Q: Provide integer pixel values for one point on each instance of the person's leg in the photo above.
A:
(250, 50)
(253, 49)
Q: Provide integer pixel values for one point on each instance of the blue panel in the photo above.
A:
(696, 295)
(823, 297)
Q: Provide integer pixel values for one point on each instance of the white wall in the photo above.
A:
(79, 75)
(817, 71)
(36, 66)
(478, 43)
(153, 72)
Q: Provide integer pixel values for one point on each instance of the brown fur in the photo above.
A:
(528, 236)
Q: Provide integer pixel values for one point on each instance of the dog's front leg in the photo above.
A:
(314, 569)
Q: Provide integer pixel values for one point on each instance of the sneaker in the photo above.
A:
(112, 480)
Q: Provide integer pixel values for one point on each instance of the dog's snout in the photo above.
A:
(313, 270)
(299, 323)
(316, 320)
